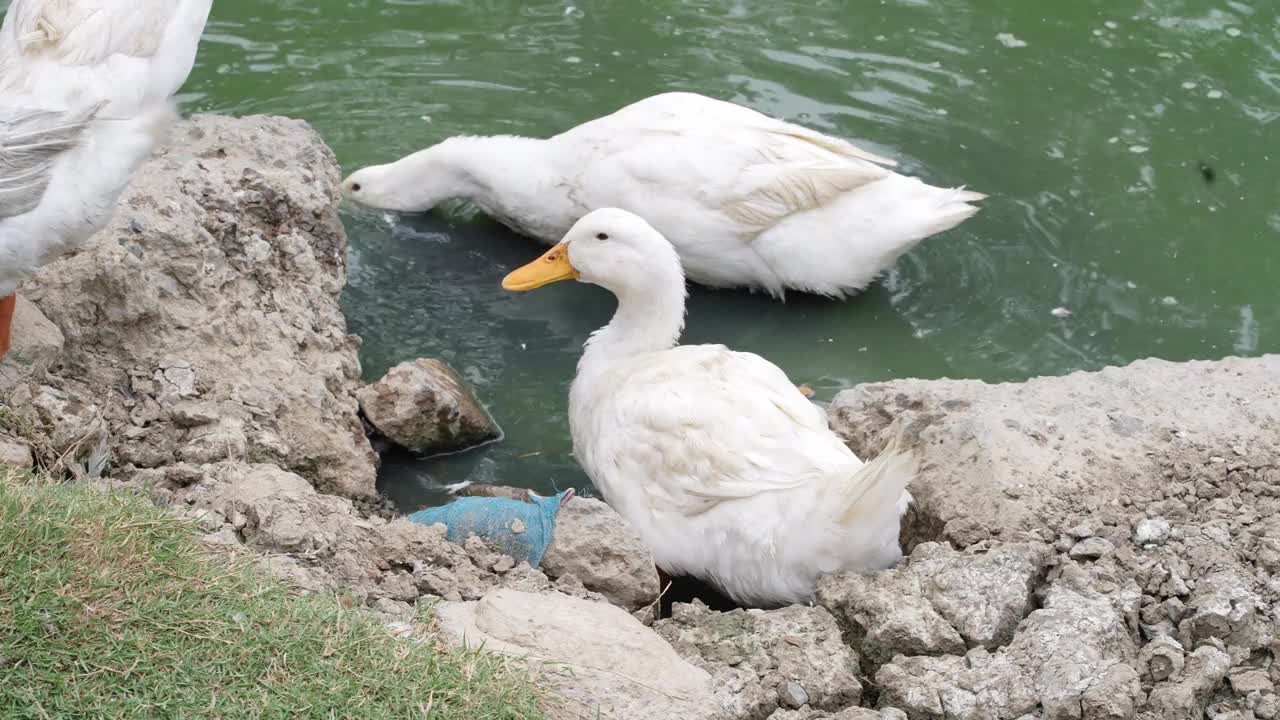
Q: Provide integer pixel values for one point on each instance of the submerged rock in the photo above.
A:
(594, 544)
(425, 406)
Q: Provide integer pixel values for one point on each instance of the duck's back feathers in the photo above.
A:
(751, 200)
(88, 32)
(74, 53)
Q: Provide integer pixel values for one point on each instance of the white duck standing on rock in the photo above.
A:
(747, 200)
(720, 463)
(86, 90)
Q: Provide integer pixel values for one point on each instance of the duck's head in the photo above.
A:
(415, 183)
(611, 248)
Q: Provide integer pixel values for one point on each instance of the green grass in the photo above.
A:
(110, 608)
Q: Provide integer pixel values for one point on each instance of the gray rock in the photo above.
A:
(1185, 696)
(1250, 681)
(1267, 707)
(594, 544)
(217, 282)
(1091, 549)
(791, 695)
(1069, 657)
(15, 452)
(191, 413)
(942, 602)
(320, 541)
(579, 643)
(997, 460)
(853, 713)
(1151, 531)
(753, 654)
(1162, 658)
(1224, 606)
(37, 344)
(425, 406)
(224, 536)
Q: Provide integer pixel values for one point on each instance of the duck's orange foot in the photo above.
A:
(805, 390)
(7, 304)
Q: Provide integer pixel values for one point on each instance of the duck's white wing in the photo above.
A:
(706, 156)
(30, 145)
(700, 425)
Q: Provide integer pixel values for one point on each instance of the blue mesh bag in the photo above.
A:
(517, 528)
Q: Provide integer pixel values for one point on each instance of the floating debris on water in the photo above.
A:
(1233, 32)
(1138, 149)
(1208, 173)
(1170, 300)
(1060, 312)
(1213, 94)
(1010, 41)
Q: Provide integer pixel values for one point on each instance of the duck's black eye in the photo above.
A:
(355, 187)
(602, 236)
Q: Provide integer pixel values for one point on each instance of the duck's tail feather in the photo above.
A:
(951, 208)
(876, 489)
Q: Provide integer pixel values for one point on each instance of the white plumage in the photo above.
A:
(747, 200)
(725, 469)
(109, 69)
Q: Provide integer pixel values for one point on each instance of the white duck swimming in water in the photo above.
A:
(747, 200)
(724, 468)
(108, 65)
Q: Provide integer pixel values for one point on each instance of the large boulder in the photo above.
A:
(1146, 497)
(216, 286)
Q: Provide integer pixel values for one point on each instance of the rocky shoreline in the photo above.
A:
(1101, 545)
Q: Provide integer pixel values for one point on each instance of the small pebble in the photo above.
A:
(504, 564)
(1091, 549)
(1151, 531)
(518, 526)
(791, 695)
(1081, 531)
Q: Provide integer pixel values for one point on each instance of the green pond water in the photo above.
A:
(1131, 151)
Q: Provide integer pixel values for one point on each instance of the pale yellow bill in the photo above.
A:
(553, 266)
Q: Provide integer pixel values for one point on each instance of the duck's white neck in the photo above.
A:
(511, 178)
(649, 319)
